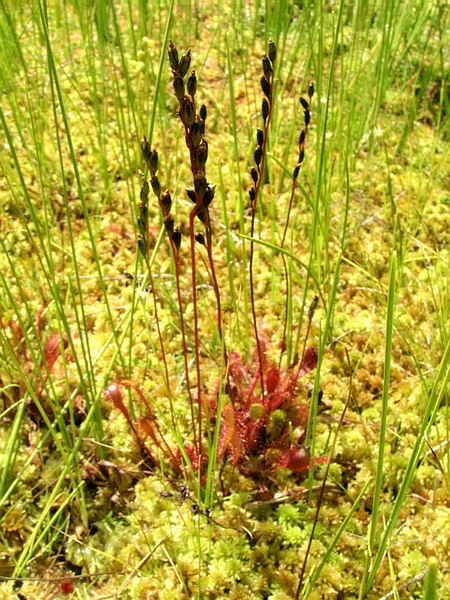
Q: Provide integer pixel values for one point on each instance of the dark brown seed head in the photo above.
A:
(272, 51)
(203, 112)
(185, 62)
(311, 90)
(257, 155)
(254, 174)
(265, 86)
(166, 203)
(176, 239)
(265, 109)
(301, 156)
(144, 191)
(200, 238)
(296, 171)
(252, 193)
(267, 67)
(173, 56)
(304, 103)
(260, 137)
(156, 186)
(178, 87)
(307, 118)
(192, 84)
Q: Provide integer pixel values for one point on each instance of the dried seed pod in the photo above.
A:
(201, 156)
(254, 174)
(200, 238)
(260, 137)
(311, 90)
(173, 56)
(257, 155)
(272, 51)
(187, 111)
(304, 103)
(252, 193)
(178, 87)
(200, 184)
(265, 86)
(169, 224)
(191, 195)
(203, 112)
(196, 133)
(267, 67)
(166, 202)
(192, 84)
(307, 118)
(265, 109)
(176, 239)
(156, 186)
(185, 63)
(301, 156)
(296, 171)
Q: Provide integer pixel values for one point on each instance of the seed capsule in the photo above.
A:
(265, 86)
(156, 186)
(192, 84)
(200, 238)
(260, 137)
(307, 118)
(254, 174)
(173, 56)
(267, 67)
(304, 103)
(176, 239)
(257, 155)
(265, 109)
(272, 51)
(196, 133)
(301, 156)
(208, 195)
(203, 112)
(166, 202)
(201, 156)
(200, 184)
(178, 87)
(187, 111)
(301, 138)
(169, 224)
(252, 193)
(185, 62)
(191, 195)
(296, 171)
(311, 90)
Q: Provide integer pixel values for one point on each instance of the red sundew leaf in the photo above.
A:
(272, 378)
(52, 349)
(226, 430)
(309, 361)
(114, 394)
(147, 427)
(66, 586)
(296, 459)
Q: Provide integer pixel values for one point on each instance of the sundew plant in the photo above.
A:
(224, 292)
